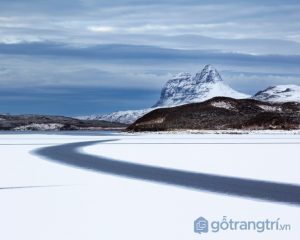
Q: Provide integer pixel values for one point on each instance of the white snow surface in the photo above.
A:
(88, 205)
(280, 93)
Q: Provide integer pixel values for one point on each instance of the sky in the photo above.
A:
(81, 57)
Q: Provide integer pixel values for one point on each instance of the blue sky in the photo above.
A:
(78, 57)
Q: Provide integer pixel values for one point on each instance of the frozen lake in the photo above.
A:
(77, 203)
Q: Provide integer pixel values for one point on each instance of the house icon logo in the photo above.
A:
(201, 225)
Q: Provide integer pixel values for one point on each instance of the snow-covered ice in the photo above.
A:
(89, 205)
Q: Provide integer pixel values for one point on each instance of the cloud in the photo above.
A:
(134, 22)
(138, 44)
(146, 54)
(160, 28)
(101, 29)
(136, 67)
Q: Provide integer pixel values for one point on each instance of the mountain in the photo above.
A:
(184, 88)
(181, 89)
(46, 122)
(222, 113)
(280, 93)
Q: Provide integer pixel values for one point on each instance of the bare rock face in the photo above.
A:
(222, 113)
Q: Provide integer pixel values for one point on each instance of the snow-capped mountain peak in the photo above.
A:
(208, 75)
(206, 84)
(279, 93)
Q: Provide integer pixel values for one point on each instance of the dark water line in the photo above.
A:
(262, 190)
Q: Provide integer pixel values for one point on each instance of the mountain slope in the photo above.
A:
(280, 93)
(222, 113)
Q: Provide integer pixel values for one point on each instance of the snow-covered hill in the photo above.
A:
(126, 117)
(181, 89)
(280, 93)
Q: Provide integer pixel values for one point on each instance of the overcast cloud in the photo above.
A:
(62, 45)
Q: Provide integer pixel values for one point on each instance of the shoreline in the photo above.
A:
(242, 132)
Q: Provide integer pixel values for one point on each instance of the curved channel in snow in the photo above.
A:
(271, 191)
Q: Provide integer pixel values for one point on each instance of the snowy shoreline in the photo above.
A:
(191, 131)
(176, 132)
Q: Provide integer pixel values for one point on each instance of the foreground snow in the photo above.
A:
(90, 205)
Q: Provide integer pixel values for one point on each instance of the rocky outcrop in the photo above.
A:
(222, 113)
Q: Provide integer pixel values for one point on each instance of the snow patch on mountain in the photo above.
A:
(270, 108)
(279, 93)
(223, 104)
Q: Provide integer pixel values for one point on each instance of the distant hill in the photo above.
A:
(222, 113)
(45, 122)
(279, 93)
